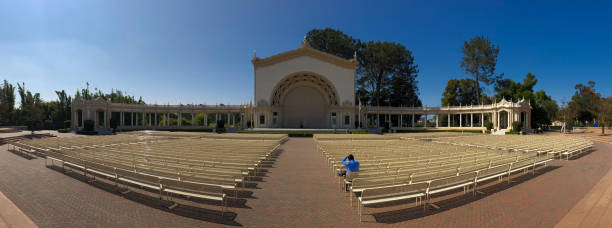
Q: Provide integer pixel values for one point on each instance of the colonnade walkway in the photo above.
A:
(300, 191)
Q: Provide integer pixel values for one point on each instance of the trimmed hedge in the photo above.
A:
(300, 134)
(63, 130)
(87, 132)
(424, 130)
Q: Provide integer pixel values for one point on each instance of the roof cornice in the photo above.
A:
(305, 50)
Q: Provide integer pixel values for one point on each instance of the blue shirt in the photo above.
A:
(351, 166)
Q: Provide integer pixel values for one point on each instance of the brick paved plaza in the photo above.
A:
(299, 191)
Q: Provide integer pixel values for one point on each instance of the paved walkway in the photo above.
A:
(11, 216)
(300, 191)
(595, 209)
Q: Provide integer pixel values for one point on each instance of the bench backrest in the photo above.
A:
(192, 187)
(393, 191)
(492, 171)
(445, 182)
(100, 167)
(137, 176)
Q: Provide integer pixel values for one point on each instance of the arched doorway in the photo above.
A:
(503, 119)
(304, 107)
(303, 101)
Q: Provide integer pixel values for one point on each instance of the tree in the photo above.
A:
(332, 41)
(582, 106)
(7, 102)
(544, 109)
(459, 91)
(63, 108)
(388, 73)
(115, 96)
(479, 60)
(31, 106)
(603, 112)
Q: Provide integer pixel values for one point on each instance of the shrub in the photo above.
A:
(114, 123)
(489, 125)
(88, 125)
(220, 128)
(300, 134)
(87, 132)
(62, 130)
(516, 126)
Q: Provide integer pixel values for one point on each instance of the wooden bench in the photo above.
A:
(390, 194)
(189, 189)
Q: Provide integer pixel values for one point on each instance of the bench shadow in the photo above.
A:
(22, 154)
(453, 200)
(582, 154)
(186, 207)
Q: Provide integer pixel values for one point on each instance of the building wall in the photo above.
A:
(267, 77)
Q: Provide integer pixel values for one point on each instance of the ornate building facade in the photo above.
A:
(301, 88)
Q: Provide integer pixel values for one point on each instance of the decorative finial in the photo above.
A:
(254, 54)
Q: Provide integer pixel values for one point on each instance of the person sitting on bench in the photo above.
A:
(351, 165)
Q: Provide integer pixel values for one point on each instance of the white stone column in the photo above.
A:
(121, 119)
(482, 119)
(460, 120)
(449, 119)
(472, 119)
(154, 119)
(401, 121)
(498, 119)
(192, 119)
(206, 120)
(437, 120)
(167, 119)
(105, 122)
(425, 121)
(413, 120)
(508, 118)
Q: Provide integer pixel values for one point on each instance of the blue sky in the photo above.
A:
(199, 51)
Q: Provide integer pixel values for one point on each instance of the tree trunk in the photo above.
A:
(477, 89)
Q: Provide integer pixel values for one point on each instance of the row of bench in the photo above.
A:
(192, 167)
(556, 145)
(412, 168)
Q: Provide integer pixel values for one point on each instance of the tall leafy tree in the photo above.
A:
(603, 112)
(7, 102)
(479, 60)
(333, 41)
(544, 108)
(459, 91)
(387, 72)
(584, 100)
(63, 108)
(31, 106)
